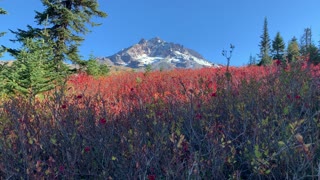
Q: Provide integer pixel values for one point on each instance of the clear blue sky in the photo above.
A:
(207, 26)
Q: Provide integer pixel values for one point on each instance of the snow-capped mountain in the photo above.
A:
(158, 54)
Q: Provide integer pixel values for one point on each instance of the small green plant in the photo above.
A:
(147, 69)
(94, 68)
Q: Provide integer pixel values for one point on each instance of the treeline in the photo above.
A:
(276, 49)
(39, 64)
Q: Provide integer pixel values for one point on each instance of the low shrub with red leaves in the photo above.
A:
(257, 123)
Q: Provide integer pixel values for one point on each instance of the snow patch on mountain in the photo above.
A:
(174, 60)
(146, 60)
(193, 58)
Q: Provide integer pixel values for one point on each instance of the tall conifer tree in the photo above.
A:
(265, 45)
(65, 21)
(308, 49)
(314, 56)
(278, 47)
(293, 51)
(306, 42)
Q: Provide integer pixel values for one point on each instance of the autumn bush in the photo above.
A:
(259, 123)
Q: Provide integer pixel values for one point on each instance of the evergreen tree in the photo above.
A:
(314, 56)
(65, 21)
(104, 69)
(278, 47)
(265, 45)
(2, 66)
(252, 60)
(33, 71)
(3, 79)
(307, 48)
(306, 42)
(94, 68)
(293, 51)
(147, 68)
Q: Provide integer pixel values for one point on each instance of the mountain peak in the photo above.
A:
(156, 40)
(142, 41)
(159, 54)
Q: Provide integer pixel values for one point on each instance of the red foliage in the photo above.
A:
(152, 177)
(167, 116)
(87, 149)
(79, 96)
(103, 121)
(123, 92)
(61, 168)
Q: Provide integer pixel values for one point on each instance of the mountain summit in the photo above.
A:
(159, 54)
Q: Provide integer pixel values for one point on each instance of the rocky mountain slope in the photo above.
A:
(159, 54)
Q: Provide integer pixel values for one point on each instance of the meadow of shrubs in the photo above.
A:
(249, 123)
